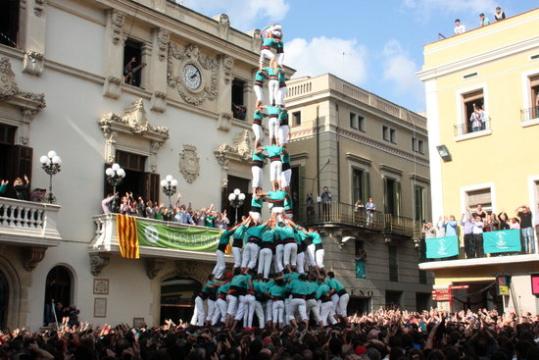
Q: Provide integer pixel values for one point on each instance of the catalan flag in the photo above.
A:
(126, 228)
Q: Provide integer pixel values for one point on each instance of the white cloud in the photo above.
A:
(243, 13)
(452, 6)
(325, 55)
(400, 70)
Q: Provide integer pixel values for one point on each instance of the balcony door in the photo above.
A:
(4, 300)
(58, 293)
(392, 196)
(15, 160)
(177, 298)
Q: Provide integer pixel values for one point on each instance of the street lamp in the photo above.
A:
(115, 174)
(51, 163)
(169, 187)
(236, 199)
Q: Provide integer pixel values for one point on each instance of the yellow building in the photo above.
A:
(492, 162)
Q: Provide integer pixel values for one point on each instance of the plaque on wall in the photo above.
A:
(100, 307)
(101, 286)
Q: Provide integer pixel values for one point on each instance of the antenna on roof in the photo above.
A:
(441, 36)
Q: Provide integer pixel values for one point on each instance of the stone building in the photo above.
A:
(360, 145)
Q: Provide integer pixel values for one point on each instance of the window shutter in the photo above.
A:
(151, 187)
(22, 161)
(397, 198)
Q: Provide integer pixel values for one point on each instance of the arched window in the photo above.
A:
(4, 300)
(177, 298)
(58, 292)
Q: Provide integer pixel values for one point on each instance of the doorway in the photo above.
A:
(58, 293)
(177, 298)
(4, 300)
(392, 196)
(236, 183)
(359, 305)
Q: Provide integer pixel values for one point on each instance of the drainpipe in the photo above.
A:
(318, 150)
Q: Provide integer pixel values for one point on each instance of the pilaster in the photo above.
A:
(224, 97)
(34, 37)
(114, 47)
(157, 82)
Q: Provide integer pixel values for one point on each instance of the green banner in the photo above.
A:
(191, 238)
(442, 247)
(501, 241)
(360, 269)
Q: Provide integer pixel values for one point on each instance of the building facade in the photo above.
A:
(497, 68)
(360, 145)
(150, 85)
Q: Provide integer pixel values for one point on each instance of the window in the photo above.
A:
(393, 136)
(479, 197)
(296, 118)
(58, 289)
(417, 145)
(393, 263)
(422, 276)
(422, 301)
(533, 112)
(385, 133)
(414, 144)
(472, 102)
(9, 22)
(392, 195)
(360, 185)
(239, 110)
(361, 123)
(353, 121)
(393, 298)
(419, 211)
(133, 62)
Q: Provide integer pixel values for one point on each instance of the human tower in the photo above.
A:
(278, 271)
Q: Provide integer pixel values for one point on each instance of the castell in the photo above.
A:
(278, 277)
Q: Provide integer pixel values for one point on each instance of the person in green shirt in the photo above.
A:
(281, 93)
(319, 248)
(286, 171)
(3, 186)
(257, 127)
(237, 242)
(239, 285)
(323, 295)
(274, 153)
(261, 296)
(272, 112)
(257, 168)
(224, 240)
(340, 297)
(253, 236)
(300, 236)
(287, 235)
(260, 77)
(283, 134)
(277, 292)
(257, 201)
(266, 250)
(299, 289)
(312, 304)
(276, 198)
(220, 304)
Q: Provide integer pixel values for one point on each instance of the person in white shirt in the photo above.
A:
(459, 27)
(477, 233)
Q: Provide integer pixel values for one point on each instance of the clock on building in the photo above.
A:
(192, 77)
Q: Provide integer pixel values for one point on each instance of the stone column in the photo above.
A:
(34, 37)
(157, 82)
(249, 99)
(224, 97)
(114, 48)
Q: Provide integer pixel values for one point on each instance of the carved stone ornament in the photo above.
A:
(224, 25)
(191, 269)
(31, 256)
(8, 85)
(39, 6)
(163, 38)
(33, 63)
(189, 163)
(117, 23)
(240, 150)
(29, 103)
(98, 263)
(180, 56)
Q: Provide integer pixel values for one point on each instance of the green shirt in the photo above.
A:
(315, 237)
(239, 232)
(259, 115)
(261, 75)
(255, 231)
(273, 111)
(258, 156)
(300, 287)
(274, 151)
(3, 188)
(283, 117)
(224, 239)
(260, 287)
(291, 276)
(301, 236)
(278, 195)
(209, 221)
(241, 281)
(281, 76)
(272, 73)
(257, 202)
(223, 289)
(268, 236)
(277, 290)
(323, 290)
(288, 203)
(270, 42)
(285, 157)
(285, 232)
(335, 284)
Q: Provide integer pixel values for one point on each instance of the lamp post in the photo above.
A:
(51, 164)
(115, 174)
(236, 199)
(169, 187)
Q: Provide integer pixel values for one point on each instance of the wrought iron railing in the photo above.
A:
(469, 128)
(529, 114)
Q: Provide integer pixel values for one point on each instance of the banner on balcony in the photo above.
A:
(126, 227)
(501, 241)
(442, 247)
(177, 237)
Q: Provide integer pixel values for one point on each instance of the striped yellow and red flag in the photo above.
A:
(126, 228)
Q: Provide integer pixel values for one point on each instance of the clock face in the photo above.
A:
(192, 77)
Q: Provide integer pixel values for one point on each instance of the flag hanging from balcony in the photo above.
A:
(442, 247)
(126, 227)
(501, 241)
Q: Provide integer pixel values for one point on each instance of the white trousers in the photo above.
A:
(269, 310)
(199, 313)
(319, 257)
(258, 174)
(326, 310)
(259, 133)
(311, 260)
(273, 87)
(236, 254)
(280, 59)
(283, 134)
(300, 306)
(273, 128)
(287, 310)
(255, 216)
(220, 311)
(275, 170)
(211, 309)
(278, 312)
(240, 312)
(250, 255)
(281, 94)
(258, 93)
(343, 305)
(232, 304)
(259, 311)
(314, 309)
(300, 266)
(278, 259)
(220, 265)
(286, 175)
(290, 254)
(266, 54)
(264, 262)
(250, 303)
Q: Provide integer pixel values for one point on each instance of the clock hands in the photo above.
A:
(193, 76)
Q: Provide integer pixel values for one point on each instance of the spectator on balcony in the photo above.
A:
(429, 232)
(140, 207)
(491, 223)
(149, 211)
(3, 186)
(107, 203)
(459, 27)
(38, 195)
(484, 21)
(477, 232)
(451, 228)
(326, 199)
(514, 224)
(21, 186)
(499, 15)
(479, 211)
(309, 203)
(536, 113)
(526, 227)
(467, 229)
(359, 209)
(440, 226)
(503, 220)
(370, 208)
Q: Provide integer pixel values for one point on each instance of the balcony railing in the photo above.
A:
(337, 213)
(28, 223)
(469, 128)
(529, 114)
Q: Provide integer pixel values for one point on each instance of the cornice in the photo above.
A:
(419, 178)
(390, 169)
(358, 159)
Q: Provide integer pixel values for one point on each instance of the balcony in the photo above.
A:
(529, 116)
(346, 214)
(466, 131)
(26, 223)
(182, 242)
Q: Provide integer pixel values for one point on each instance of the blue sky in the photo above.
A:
(382, 40)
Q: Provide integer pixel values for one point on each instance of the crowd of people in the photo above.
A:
(484, 20)
(477, 221)
(384, 334)
(20, 189)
